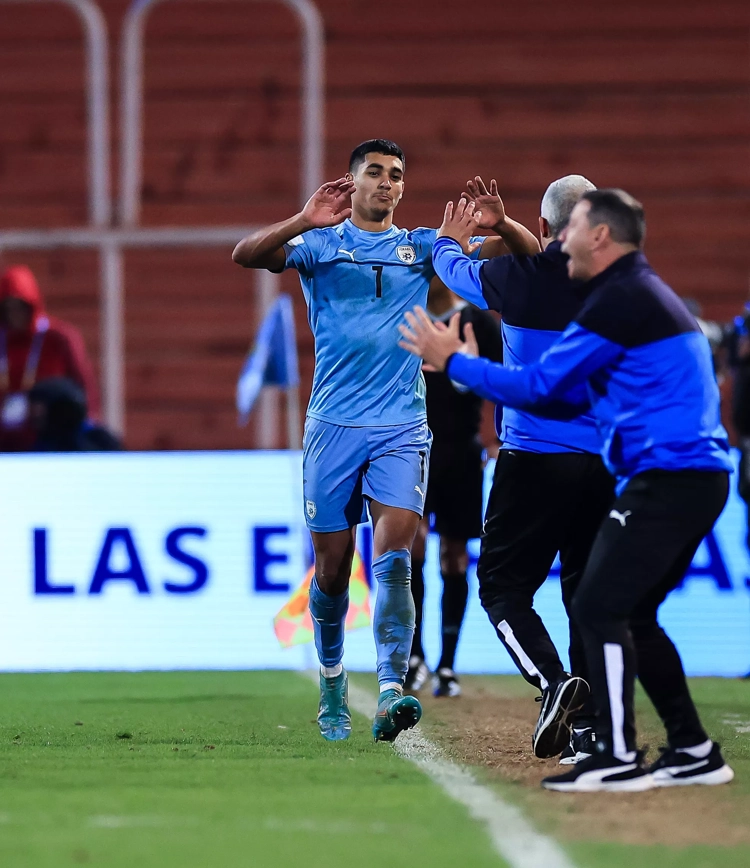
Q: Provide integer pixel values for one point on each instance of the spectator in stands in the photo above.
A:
(57, 411)
(33, 347)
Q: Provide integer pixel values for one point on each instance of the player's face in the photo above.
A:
(579, 241)
(379, 180)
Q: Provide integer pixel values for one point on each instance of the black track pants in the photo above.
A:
(641, 553)
(539, 505)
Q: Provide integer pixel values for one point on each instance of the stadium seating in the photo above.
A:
(651, 97)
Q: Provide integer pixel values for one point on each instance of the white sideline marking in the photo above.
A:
(512, 836)
(740, 726)
(117, 821)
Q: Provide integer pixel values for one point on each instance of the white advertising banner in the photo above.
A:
(181, 560)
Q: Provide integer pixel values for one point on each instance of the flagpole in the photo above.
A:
(294, 435)
(267, 415)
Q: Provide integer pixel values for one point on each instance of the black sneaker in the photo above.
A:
(445, 683)
(559, 701)
(679, 769)
(417, 674)
(603, 772)
(580, 747)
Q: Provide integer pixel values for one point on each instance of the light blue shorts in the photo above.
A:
(343, 467)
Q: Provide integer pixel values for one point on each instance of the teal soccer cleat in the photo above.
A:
(395, 713)
(334, 717)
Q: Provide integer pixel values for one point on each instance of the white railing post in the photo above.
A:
(131, 103)
(112, 335)
(97, 106)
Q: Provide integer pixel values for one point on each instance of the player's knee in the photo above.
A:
(393, 568)
(333, 577)
(454, 558)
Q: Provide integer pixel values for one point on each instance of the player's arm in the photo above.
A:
(484, 283)
(559, 376)
(514, 237)
(264, 248)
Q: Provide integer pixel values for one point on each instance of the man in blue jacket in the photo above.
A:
(638, 359)
(550, 489)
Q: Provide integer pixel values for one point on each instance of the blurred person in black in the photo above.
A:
(454, 492)
(58, 412)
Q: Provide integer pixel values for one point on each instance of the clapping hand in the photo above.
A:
(435, 342)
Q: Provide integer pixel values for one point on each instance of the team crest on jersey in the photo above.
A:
(406, 254)
(311, 509)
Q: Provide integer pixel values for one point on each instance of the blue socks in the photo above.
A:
(329, 616)
(393, 623)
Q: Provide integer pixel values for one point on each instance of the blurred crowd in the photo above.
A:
(49, 401)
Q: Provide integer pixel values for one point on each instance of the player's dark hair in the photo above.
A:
(620, 211)
(375, 146)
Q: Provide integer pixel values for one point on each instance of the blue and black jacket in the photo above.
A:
(537, 301)
(633, 353)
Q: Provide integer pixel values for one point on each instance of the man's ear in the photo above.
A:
(602, 235)
(349, 176)
(544, 228)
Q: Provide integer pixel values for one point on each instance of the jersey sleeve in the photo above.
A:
(457, 271)
(303, 251)
(557, 378)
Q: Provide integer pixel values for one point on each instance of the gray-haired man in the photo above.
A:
(551, 490)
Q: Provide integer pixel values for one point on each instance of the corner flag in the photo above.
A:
(272, 360)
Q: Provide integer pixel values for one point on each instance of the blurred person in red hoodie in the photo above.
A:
(34, 347)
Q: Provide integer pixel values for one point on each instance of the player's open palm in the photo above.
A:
(460, 223)
(488, 202)
(330, 204)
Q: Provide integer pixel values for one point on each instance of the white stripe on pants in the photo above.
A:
(524, 659)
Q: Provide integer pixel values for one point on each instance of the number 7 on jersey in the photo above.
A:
(378, 269)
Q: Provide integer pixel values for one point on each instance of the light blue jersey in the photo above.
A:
(358, 285)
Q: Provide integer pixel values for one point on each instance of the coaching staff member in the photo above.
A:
(551, 489)
(640, 358)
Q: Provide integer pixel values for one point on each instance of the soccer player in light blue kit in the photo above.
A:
(366, 442)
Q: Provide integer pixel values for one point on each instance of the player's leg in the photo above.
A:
(418, 673)
(394, 481)
(638, 547)
(519, 543)
(454, 562)
(592, 492)
(332, 460)
(458, 503)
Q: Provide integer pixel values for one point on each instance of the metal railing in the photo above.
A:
(111, 241)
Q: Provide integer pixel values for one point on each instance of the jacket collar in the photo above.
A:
(628, 263)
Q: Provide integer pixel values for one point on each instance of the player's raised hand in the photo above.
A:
(487, 201)
(460, 223)
(330, 204)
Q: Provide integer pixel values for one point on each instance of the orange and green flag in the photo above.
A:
(293, 624)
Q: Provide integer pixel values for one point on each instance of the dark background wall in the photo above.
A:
(650, 96)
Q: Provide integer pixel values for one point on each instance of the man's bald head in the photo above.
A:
(560, 199)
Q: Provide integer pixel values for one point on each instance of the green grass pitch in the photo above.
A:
(227, 769)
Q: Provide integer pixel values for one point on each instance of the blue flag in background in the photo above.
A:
(273, 359)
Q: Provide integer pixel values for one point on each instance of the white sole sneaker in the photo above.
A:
(594, 784)
(666, 778)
